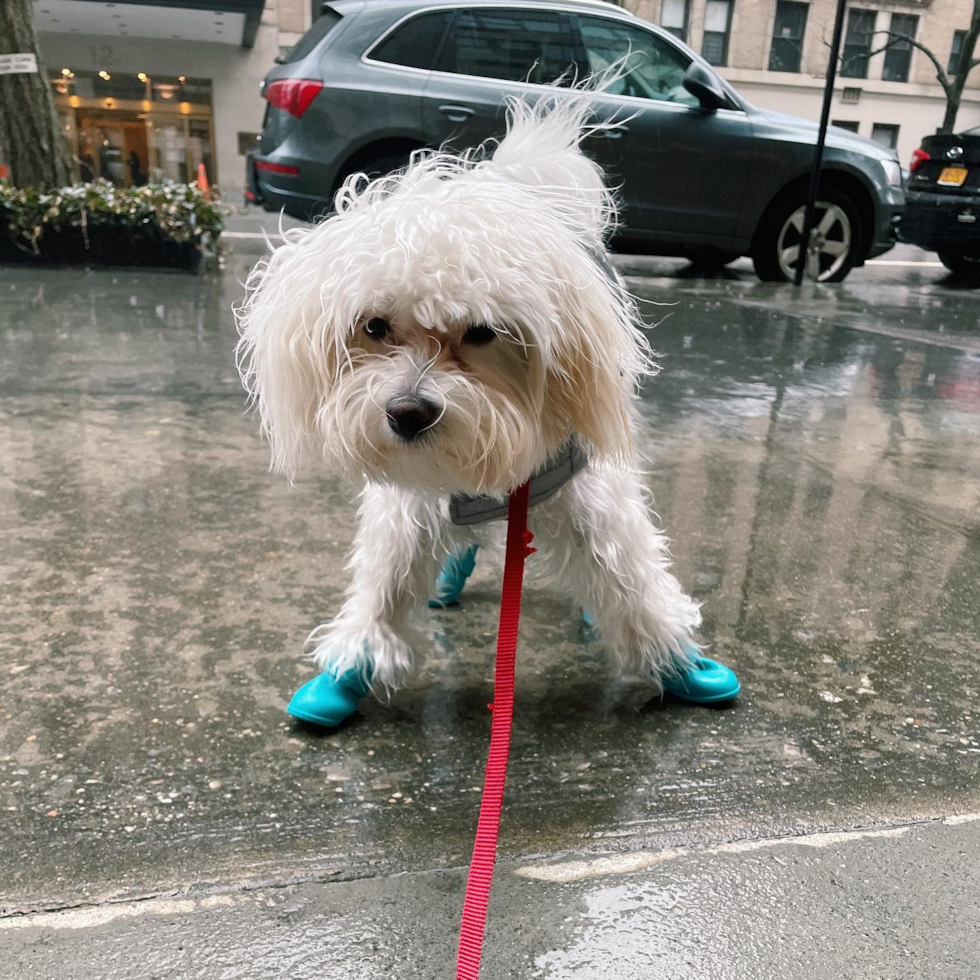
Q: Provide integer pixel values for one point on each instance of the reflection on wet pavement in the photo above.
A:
(816, 460)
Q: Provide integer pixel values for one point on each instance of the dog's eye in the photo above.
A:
(479, 334)
(377, 327)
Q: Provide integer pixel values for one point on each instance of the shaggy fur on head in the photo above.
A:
(504, 242)
(468, 283)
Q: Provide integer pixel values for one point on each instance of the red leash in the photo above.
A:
(485, 847)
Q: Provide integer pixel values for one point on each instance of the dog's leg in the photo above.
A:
(599, 541)
(397, 550)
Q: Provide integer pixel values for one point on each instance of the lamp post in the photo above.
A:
(828, 96)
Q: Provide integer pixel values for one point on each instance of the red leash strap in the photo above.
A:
(485, 847)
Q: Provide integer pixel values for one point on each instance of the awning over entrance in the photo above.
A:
(217, 21)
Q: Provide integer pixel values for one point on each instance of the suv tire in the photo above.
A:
(837, 228)
(378, 166)
(965, 263)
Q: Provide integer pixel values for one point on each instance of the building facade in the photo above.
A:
(153, 88)
(775, 52)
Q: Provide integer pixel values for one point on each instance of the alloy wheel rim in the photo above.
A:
(829, 246)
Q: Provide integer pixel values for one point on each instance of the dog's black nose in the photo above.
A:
(410, 415)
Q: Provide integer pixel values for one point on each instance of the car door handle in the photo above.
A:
(612, 134)
(456, 113)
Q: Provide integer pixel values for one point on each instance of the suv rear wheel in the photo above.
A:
(376, 166)
(964, 262)
(835, 241)
(372, 166)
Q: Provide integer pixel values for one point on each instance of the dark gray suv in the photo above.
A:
(702, 173)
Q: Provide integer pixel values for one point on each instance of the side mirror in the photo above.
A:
(704, 86)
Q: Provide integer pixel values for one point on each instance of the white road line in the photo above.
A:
(961, 818)
(905, 262)
(627, 863)
(99, 915)
(262, 236)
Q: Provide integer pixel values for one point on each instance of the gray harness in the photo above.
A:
(551, 477)
(546, 481)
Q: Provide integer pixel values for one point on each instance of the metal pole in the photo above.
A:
(828, 97)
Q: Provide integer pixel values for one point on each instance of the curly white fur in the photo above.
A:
(504, 238)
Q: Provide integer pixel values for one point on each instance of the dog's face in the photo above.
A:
(447, 331)
(461, 406)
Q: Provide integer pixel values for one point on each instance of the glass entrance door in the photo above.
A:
(112, 145)
(177, 145)
(168, 153)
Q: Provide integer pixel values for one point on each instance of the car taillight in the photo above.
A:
(918, 158)
(277, 168)
(292, 95)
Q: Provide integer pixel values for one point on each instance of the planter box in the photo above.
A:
(107, 246)
(98, 224)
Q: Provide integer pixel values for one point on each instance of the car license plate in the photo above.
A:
(952, 176)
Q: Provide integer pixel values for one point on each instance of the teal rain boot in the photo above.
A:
(328, 700)
(457, 568)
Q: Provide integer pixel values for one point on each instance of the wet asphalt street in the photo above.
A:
(815, 457)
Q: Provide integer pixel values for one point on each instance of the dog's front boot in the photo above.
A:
(705, 682)
(328, 700)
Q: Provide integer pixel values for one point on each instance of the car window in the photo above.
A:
(657, 67)
(514, 45)
(414, 43)
(322, 26)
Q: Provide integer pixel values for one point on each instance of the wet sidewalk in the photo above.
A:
(815, 458)
(891, 903)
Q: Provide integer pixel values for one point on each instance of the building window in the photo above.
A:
(179, 89)
(898, 57)
(885, 134)
(848, 124)
(673, 16)
(857, 43)
(787, 36)
(717, 24)
(954, 52)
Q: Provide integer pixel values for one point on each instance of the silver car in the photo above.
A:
(702, 173)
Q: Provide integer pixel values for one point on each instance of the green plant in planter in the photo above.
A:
(165, 223)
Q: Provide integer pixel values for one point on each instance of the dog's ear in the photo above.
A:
(287, 354)
(598, 360)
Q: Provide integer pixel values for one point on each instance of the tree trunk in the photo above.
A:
(967, 49)
(952, 108)
(32, 143)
